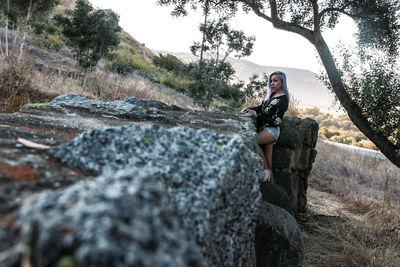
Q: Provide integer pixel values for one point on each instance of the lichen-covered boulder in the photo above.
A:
(278, 238)
(210, 179)
(119, 219)
(292, 159)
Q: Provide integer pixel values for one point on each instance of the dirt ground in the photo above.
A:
(336, 235)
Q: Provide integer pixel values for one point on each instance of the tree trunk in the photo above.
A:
(206, 9)
(8, 10)
(382, 142)
(1, 48)
(28, 17)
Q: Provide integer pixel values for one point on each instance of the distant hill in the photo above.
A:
(303, 84)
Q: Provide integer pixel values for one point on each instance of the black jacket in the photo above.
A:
(271, 111)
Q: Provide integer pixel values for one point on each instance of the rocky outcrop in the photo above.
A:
(292, 159)
(172, 186)
(285, 246)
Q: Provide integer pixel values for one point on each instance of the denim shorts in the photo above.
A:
(275, 131)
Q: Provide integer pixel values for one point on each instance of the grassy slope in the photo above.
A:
(353, 216)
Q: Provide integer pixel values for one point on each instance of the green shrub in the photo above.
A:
(328, 134)
(120, 65)
(170, 63)
(140, 63)
(50, 41)
(174, 81)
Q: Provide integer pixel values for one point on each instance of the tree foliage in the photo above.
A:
(378, 34)
(220, 40)
(90, 33)
(211, 81)
(19, 14)
(16, 10)
(212, 77)
(376, 92)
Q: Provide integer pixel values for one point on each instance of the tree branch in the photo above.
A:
(336, 9)
(317, 19)
(280, 24)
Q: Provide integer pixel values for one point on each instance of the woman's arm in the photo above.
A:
(255, 110)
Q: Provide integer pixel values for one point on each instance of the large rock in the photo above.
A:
(119, 219)
(211, 180)
(292, 159)
(278, 238)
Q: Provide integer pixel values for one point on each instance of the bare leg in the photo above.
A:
(266, 139)
(268, 158)
(261, 153)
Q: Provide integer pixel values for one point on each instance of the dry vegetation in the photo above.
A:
(28, 82)
(353, 217)
(16, 86)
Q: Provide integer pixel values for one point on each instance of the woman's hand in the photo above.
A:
(246, 110)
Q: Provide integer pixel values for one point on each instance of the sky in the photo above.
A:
(154, 26)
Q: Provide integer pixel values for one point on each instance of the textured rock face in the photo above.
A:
(284, 246)
(292, 159)
(209, 182)
(120, 219)
(210, 178)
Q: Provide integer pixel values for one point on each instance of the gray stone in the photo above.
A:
(292, 158)
(277, 195)
(131, 107)
(119, 219)
(290, 137)
(289, 182)
(212, 179)
(278, 238)
(281, 158)
(205, 181)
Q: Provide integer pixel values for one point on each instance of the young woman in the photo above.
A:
(269, 116)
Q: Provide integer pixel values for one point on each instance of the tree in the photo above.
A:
(212, 77)
(90, 33)
(221, 41)
(211, 81)
(23, 12)
(378, 32)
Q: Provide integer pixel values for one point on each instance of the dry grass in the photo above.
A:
(363, 227)
(355, 177)
(16, 87)
(102, 85)
(46, 83)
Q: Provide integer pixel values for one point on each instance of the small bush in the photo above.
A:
(120, 65)
(170, 63)
(173, 81)
(50, 41)
(16, 87)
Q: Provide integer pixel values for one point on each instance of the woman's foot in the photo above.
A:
(267, 176)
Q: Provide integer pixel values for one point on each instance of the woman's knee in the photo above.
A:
(265, 137)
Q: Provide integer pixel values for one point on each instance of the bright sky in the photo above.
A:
(154, 26)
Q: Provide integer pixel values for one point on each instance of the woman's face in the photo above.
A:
(276, 83)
